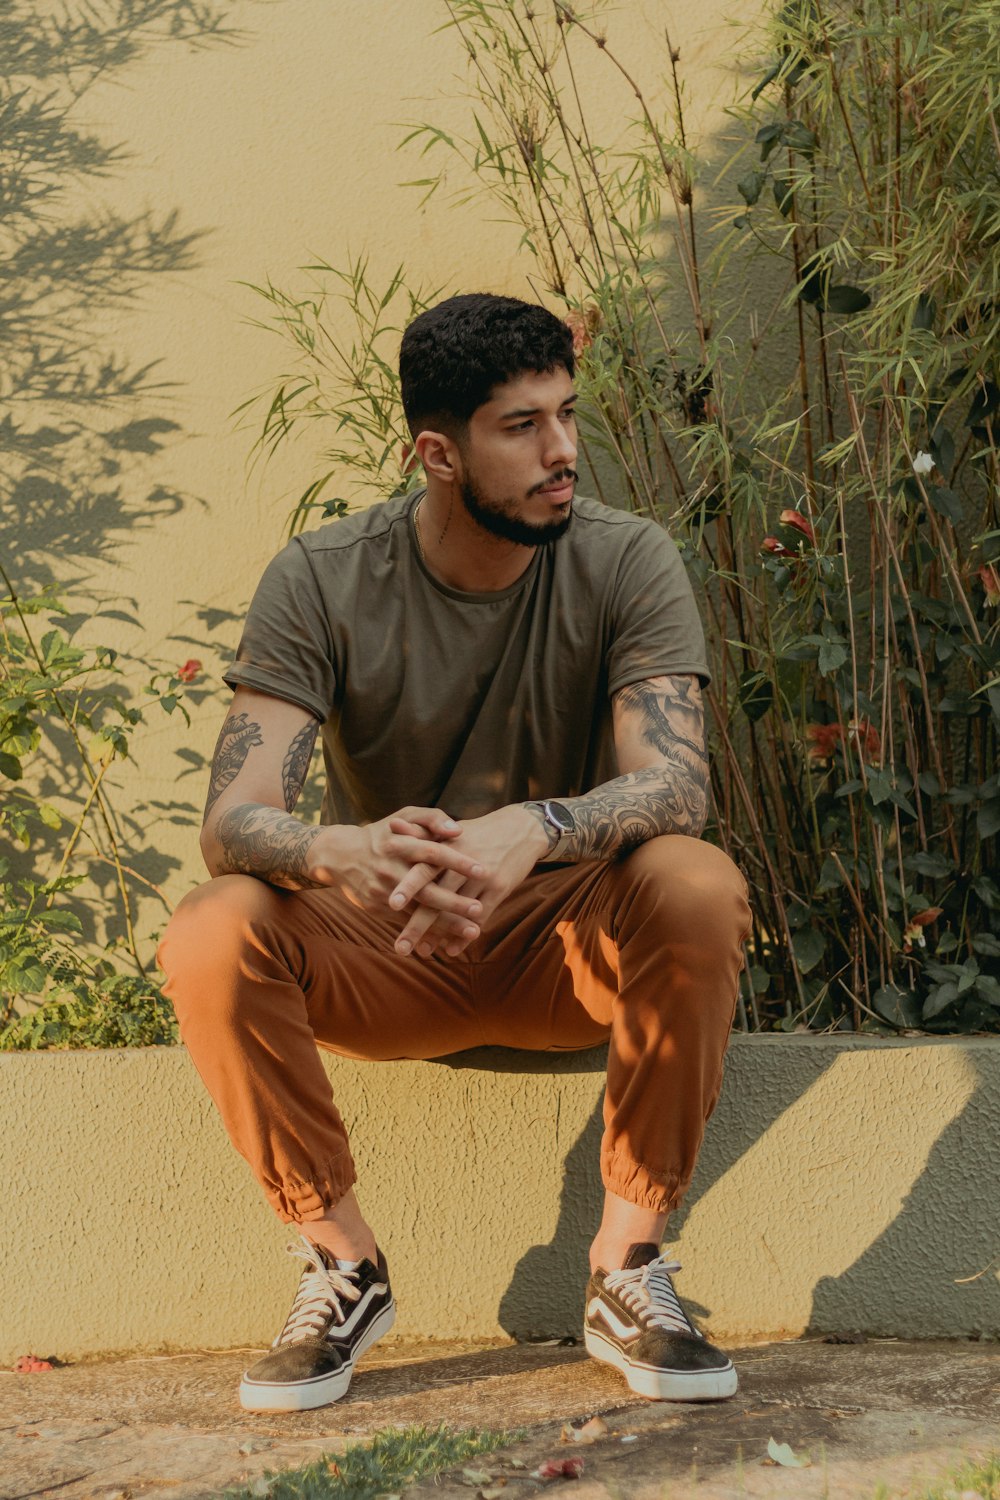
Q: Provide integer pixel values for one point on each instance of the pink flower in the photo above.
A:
(915, 928)
(792, 518)
(866, 739)
(989, 577)
(771, 544)
(583, 323)
(825, 739)
(190, 670)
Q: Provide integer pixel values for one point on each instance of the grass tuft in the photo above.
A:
(392, 1458)
(975, 1477)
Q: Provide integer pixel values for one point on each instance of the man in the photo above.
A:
(508, 679)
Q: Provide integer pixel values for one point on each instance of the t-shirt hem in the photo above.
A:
(634, 674)
(276, 687)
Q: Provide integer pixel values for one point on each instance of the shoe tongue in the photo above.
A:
(640, 1255)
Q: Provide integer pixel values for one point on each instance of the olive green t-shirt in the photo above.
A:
(437, 698)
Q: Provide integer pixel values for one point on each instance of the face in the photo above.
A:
(518, 478)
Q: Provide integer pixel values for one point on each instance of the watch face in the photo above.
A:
(560, 817)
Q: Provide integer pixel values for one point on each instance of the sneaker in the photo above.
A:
(635, 1322)
(335, 1317)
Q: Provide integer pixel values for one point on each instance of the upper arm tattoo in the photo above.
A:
(671, 797)
(238, 736)
(296, 763)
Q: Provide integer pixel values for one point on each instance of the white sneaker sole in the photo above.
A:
(304, 1395)
(664, 1385)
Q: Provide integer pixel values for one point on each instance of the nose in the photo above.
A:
(560, 447)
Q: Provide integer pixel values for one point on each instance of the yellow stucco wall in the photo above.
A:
(283, 148)
(846, 1185)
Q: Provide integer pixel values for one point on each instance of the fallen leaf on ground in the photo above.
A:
(589, 1432)
(559, 1468)
(781, 1453)
(256, 1445)
(631, 1437)
(493, 1491)
(30, 1364)
(476, 1476)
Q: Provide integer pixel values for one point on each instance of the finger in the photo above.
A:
(429, 884)
(425, 851)
(413, 934)
(433, 819)
(421, 884)
(426, 918)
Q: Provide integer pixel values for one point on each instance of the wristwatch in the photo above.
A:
(555, 817)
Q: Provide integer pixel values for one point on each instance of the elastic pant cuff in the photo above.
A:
(661, 1192)
(298, 1200)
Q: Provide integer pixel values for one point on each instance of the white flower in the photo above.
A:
(923, 463)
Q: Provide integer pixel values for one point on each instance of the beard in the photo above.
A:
(496, 517)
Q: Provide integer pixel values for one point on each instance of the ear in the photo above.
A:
(439, 455)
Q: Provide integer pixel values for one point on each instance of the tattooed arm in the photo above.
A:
(258, 772)
(659, 729)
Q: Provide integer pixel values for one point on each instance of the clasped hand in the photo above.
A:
(504, 845)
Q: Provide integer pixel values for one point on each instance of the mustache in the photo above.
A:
(555, 479)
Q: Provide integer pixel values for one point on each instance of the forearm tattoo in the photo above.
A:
(264, 841)
(296, 763)
(238, 736)
(671, 797)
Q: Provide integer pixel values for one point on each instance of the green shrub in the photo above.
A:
(795, 369)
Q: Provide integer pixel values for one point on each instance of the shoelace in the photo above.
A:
(320, 1297)
(648, 1292)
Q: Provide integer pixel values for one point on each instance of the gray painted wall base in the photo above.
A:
(845, 1185)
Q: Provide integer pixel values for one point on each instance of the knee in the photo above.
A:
(692, 880)
(213, 923)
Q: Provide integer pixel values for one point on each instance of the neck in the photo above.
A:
(459, 552)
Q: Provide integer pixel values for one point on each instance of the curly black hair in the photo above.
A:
(454, 355)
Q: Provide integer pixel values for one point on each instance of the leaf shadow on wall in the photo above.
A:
(82, 425)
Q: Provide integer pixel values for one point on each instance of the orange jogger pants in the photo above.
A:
(645, 952)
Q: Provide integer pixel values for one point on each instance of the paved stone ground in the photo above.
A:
(170, 1426)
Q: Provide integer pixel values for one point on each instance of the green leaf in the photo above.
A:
(946, 502)
(987, 944)
(749, 187)
(832, 656)
(984, 403)
(784, 194)
(988, 820)
(10, 766)
(49, 816)
(798, 137)
(988, 989)
(925, 312)
(847, 299)
(934, 866)
(830, 878)
(987, 892)
(880, 786)
(898, 1007)
(815, 280)
(755, 695)
(809, 946)
(939, 998)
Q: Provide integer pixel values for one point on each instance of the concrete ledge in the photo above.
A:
(845, 1185)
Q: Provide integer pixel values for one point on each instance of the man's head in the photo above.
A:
(487, 385)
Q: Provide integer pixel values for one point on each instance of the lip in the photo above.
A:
(561, 491)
